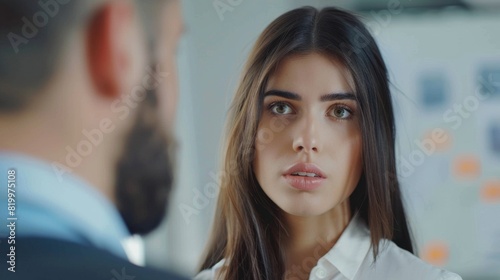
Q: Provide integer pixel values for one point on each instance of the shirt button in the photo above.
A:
(320, 273)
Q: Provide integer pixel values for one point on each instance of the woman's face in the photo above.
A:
(308, 156)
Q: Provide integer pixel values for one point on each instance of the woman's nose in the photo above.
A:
(306, 138)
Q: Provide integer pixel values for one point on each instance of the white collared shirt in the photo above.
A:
(351, 258)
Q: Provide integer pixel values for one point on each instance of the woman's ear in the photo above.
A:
(110, 55)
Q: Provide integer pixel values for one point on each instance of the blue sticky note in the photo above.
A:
(494, 138)
(434, 90)
(489, 81)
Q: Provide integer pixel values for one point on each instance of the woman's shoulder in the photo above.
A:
(394, 261)
(211, 273)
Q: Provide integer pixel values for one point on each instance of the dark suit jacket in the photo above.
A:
(52, 259)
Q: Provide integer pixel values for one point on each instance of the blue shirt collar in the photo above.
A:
(67, 208)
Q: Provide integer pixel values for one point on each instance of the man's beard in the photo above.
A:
(145, 172)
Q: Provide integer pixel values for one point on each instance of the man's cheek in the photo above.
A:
(168, 96)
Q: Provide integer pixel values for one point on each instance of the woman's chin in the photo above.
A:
(304, 210)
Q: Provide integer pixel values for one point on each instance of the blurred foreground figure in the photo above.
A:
(88, 91)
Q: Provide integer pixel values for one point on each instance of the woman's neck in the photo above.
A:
(312, 237)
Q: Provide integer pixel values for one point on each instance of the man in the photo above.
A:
(87, 101)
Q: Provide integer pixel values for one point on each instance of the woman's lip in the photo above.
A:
(305, 167)
(304, 183)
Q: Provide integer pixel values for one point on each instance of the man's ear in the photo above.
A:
(110, 56)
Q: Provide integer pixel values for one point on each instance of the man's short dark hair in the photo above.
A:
(33, 34)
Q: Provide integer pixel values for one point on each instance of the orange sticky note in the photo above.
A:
(467, 166)
(490, 192)
(437, 138)
(436, 253)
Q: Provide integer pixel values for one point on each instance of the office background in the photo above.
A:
(444, 63)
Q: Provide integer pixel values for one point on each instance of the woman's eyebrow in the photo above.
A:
(338, 96)
(323, 98)
(284, 94)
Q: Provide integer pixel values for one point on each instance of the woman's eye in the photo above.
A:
(341, 113)
(281, 109)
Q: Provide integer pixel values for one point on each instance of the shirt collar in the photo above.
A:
(71, 201)
(348, 253)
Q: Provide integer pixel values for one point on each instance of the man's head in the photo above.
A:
(91, 86)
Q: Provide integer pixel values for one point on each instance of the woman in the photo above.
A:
(310, 188)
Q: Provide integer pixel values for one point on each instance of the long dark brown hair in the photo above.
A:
(248, 231)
